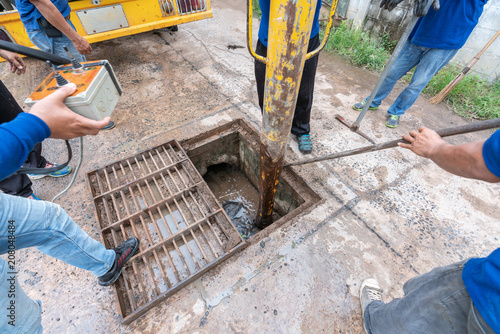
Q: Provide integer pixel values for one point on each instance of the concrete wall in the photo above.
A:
(367, 14)
(356, 11)
(489, 63)
(393, 23)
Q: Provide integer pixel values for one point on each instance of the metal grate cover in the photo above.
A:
(159, 197)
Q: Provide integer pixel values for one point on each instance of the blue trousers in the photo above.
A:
(46, 226)
(427, 61)
(434, 303)
(54, 44)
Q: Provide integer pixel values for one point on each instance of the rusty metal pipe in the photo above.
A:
(290, 24)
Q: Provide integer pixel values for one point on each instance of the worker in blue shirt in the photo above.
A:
(27, 223)
(302, 115)
(434, 41)
(49, 27)
(463, 297)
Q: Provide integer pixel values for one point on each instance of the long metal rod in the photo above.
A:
(458, 130)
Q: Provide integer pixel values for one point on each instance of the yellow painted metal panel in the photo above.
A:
(166, 22)
(142, 16)
(11, 22)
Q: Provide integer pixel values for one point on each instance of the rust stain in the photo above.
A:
(270, 171)
(282, 82)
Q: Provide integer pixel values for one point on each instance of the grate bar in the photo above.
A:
(139, 166)
(208, 222)
(184, 239)
(142, 290)
(125, 278)
(192, 233)
(137, 214)
(173, 240)
(124, 174)
(169, 258)
(124, 236)
(179, 234)
(143, 178)
(136, 235)
(131, 169)
(163, 274)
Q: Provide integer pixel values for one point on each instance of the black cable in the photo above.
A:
(30, 170)
(37, 54)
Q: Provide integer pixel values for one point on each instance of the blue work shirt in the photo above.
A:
(18, 137)
(29, 14)
(450, 26)
(482, 276)
(264, 21)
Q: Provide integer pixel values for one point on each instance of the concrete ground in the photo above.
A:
(389, 215)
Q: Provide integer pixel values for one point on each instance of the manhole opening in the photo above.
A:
(237, 195)
(159, 196)
(228, 157)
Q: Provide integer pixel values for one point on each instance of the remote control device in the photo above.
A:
(97, 91)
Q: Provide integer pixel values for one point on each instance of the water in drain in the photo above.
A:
(237, 195)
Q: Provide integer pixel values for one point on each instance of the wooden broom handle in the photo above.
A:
(489, 43)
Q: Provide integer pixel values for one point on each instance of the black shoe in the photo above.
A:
(110, 125)
(123, 253)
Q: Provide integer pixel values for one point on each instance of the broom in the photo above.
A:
(442, 94)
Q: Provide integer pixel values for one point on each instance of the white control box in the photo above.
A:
(97, 94)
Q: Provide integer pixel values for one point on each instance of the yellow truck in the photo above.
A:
(100, 20)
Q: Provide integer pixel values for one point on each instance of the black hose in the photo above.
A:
(31, 170)
(37, 54)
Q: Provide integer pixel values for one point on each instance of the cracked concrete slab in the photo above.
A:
(388, 215)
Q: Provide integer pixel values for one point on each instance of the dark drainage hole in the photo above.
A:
(237, 195)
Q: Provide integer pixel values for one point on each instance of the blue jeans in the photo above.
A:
(29, 223)
(428, 62)
(54, 44)
(434, 303)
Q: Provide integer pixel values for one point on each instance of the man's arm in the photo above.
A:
(48, 117)
(463, 160)
(16, 63)
(52, 14)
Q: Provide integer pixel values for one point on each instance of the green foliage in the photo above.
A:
(257, 13)
(359, 47)
(472, 97)
(387, 44)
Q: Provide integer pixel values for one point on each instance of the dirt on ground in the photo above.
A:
(389, 214)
